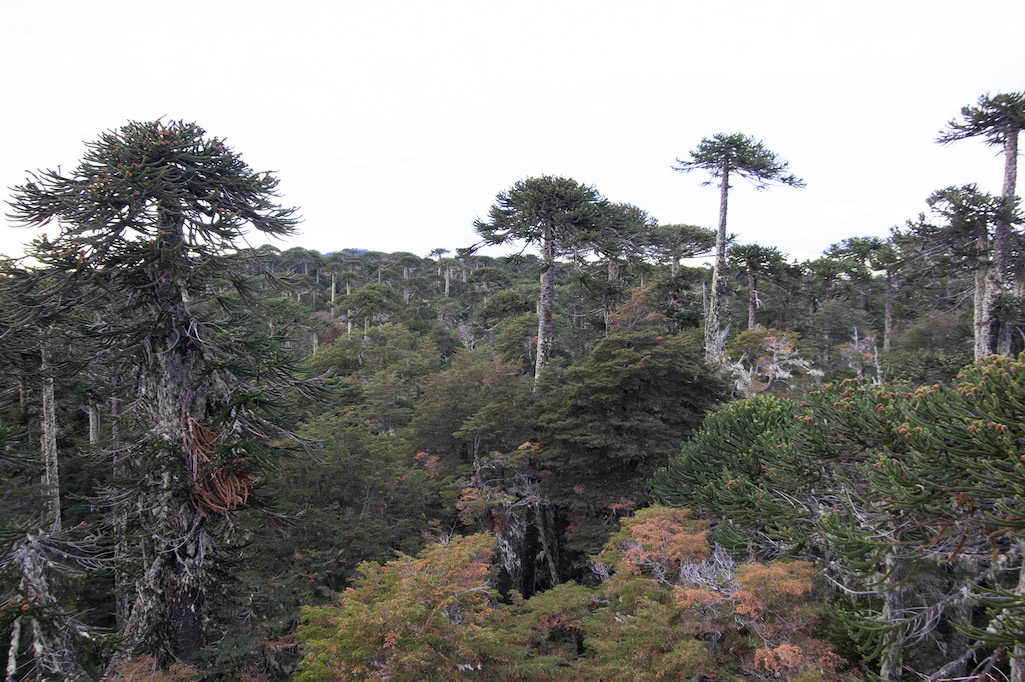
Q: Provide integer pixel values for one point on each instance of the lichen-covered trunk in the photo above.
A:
(888, 313)
(93, 412)
(545, 304)
(752, 299)
(527, 550)
(48, 446)
(714, 338)
(996, 281)
(42, 641)
(170, 607)
(168, 615)
(980, 320)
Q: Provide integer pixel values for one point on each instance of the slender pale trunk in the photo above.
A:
(996, 281)
(714, 346)
(1007, 194)
(981, 323)
(545, 303)
(48, 446)
(12, 652)
(752, 298)
(93, 410)
(333, 290)
(888, 313)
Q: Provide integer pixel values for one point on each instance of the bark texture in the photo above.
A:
(714, 338)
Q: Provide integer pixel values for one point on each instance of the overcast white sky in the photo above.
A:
(392, 124)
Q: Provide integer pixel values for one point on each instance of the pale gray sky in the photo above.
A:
(392, 124)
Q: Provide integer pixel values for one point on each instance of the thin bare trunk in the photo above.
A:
(888, 313)
(752, 299)
(714, 340)
(12, 651)
(545, 303)
(996, 282)
(93, 410)
(48, 446)
(980, 321)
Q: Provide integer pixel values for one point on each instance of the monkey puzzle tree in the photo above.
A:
(673, 243)
(723, 155)
(998, 119)
(149, 222)
(561, 216)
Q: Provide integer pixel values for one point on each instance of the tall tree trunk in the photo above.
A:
(93, 411)
(752, 298)
(980, 319)
(545, 303)
(888, 313)
(714, 339)
(996, 281)
(333, 290)
(48, 446)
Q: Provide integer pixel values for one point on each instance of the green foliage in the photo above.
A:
(740, 468)
(548, 208)
(991, 118)
(735, 153)
(615, 419)
(477, 406)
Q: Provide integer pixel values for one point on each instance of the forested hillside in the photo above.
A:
(629, 450)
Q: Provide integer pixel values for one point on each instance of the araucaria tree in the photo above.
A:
(561, 216)
(723, 155)
(997, 119)
(149, 223)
